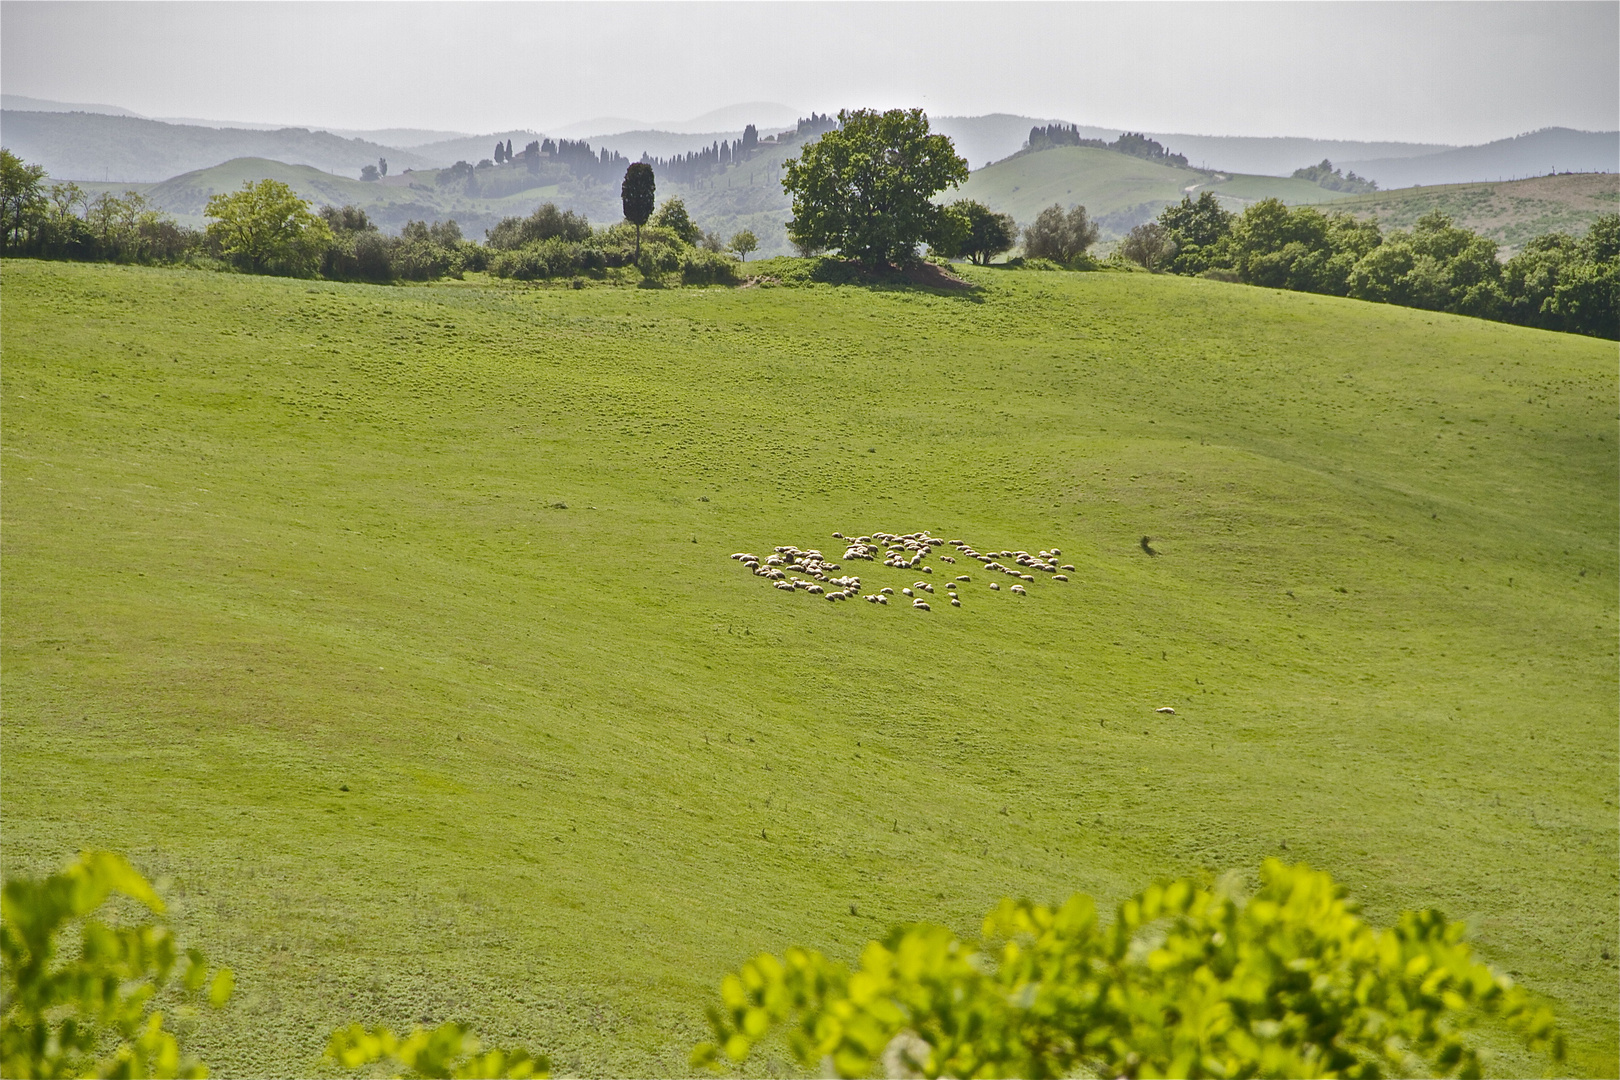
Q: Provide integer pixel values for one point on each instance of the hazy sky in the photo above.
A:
(1435, 72)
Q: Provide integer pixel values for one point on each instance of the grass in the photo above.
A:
(295, 616)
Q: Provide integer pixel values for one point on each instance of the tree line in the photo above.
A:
(1133, 143)
(1557, 282)
(266, 228)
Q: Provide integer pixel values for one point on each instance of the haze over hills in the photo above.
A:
(80, 142)
(1535, 154)
(765, 115)
(129, 149)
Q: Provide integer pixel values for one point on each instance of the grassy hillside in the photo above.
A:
(1509, 213)
(1120, 191)
(394, 629)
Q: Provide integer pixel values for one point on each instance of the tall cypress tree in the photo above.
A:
(637, 194)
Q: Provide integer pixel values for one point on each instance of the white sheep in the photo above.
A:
(1019, 589)
(785, 585)
(1167, 710)
(963, 577)
(906, 592)
(886, 591)
(923, 604)
(947, 558)
(955, 602)
(994, 586)
(1060, 577)
(882, 599)
(814, 590)
(1067, 566)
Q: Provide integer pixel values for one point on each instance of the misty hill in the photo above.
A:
(765, 115)
(1535, 154)
(91, 146)
(1281, 156)
(472, 149)
(22, 103)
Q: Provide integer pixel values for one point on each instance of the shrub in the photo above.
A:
(703, 267)
(1187, 981)
(1059, 236)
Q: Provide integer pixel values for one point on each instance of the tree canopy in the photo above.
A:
(1188, 980)
(865, 189)
(267, 228)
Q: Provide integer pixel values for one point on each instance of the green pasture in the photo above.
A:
(393, 629)
(1114, 185)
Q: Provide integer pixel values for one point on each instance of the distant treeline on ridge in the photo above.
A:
(1133, 143)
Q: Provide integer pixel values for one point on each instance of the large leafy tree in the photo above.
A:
(22, 199)
(637, 194)
(1185, 981)
(865, 189)
(266, 228)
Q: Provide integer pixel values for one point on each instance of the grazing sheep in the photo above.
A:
(786, 586)
(886, 591)
(923, 604)
(1067, 566)
(1167, 710)
(928, 569)
(963, 577)
(1057, 553)
(1060, 577)
(1019, 589)
(838, 536)
(814, 590)
(947, 558)
(951, 585)
(883, 599)
(1025, 577)
(994, 586)
(906, 592)
(955, 602)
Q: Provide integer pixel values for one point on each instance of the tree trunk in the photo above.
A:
(638, 243)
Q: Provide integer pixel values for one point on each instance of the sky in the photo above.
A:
(1455, 72)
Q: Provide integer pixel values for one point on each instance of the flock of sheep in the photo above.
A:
(808, 571)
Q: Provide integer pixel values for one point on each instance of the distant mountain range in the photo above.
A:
(1536, 154)
(109, 143)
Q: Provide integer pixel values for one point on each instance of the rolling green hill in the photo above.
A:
(1509, 213)
(1120, 191)
(393, 628)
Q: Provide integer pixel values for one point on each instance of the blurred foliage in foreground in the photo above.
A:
(1187, 981)
(89, 1011)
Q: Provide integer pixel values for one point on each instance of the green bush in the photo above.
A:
(701, 267)
(1186, 981)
